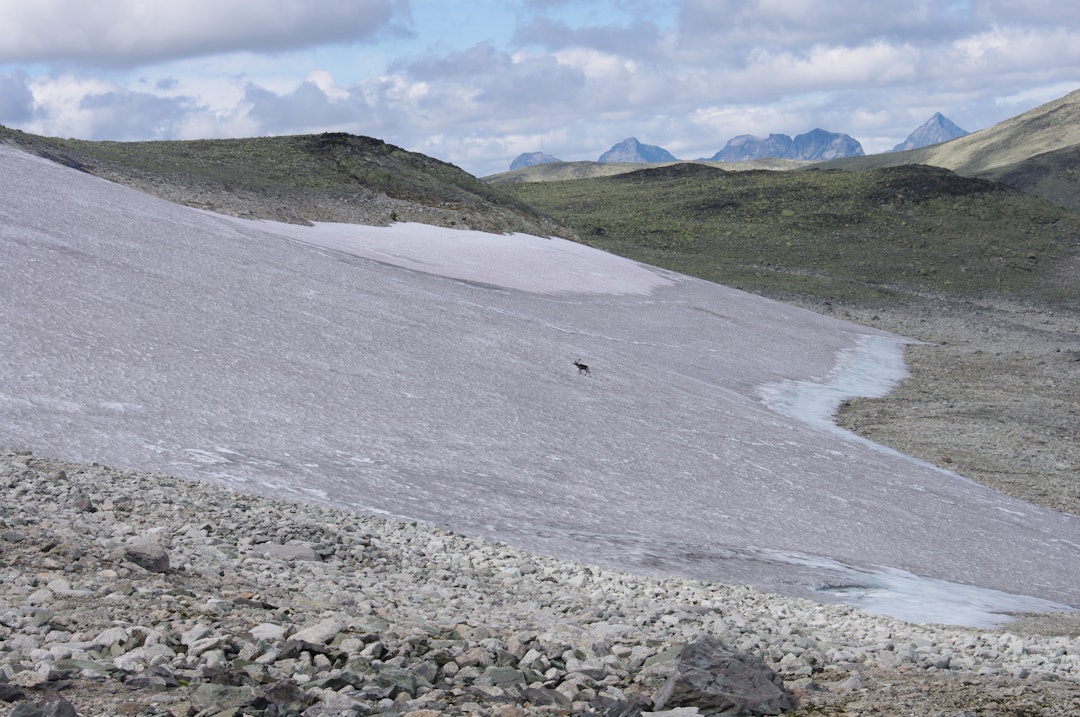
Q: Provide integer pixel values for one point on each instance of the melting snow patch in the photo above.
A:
(513, 261)
(870, 369)
(913, 598)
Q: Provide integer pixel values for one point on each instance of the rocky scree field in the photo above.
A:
(141, 594)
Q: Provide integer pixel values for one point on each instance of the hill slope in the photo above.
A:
(1054, 176)
(1054, 125)
(331, 177)
(559, 171)
(1048, 127)
(847, 235)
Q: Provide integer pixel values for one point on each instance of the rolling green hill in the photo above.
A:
(857, 236)
(1053, 175)
(560, 171)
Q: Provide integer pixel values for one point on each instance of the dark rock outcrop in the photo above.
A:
(720, 680)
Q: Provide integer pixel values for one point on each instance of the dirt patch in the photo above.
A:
(994, 395)
(906, 692)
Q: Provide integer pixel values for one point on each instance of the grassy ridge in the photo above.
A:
(859, 236)
(561, 171)
(301, 178)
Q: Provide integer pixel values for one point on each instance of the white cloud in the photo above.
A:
(478, 81)
(133, 32)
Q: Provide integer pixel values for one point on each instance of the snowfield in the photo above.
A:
(427, 374)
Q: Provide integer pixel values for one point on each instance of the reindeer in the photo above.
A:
(582, 368)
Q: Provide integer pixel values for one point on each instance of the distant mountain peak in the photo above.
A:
(528, 159)
(817, 145)
(935, 130)
(631, 150)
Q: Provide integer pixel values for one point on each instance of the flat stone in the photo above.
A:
(268, 632)
(208, 694)
(320, 633)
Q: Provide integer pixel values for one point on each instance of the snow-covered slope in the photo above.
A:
(427, 374)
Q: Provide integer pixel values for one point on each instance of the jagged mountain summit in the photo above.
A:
(817, 145)
(935, 130)
(630, 150)
(528, 159)
(747, 147)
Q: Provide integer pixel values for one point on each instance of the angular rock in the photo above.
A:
(155, 679)
(320, 633)
(394, 680)
(31, 678)
(10, 693)
(293, 648)
(141, 657)
(52, 706)
(720, 680)
(606, 707)
(505, 677)
(85, 668)
(545, 697)
(284, 693)
(208, 694)
(148, 556)
(336, 705)
(268, 632)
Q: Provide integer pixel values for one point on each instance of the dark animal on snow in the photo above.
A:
(582, 368)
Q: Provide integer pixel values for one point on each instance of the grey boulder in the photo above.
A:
(720, 680)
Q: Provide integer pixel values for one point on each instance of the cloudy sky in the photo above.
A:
(477, 82)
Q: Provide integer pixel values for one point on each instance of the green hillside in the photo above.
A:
(871, 235)
(561, 171)
(300, 179)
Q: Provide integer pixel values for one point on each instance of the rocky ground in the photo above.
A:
(135, 594)
(994, 395)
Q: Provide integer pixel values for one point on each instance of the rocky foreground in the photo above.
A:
(135, 594)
